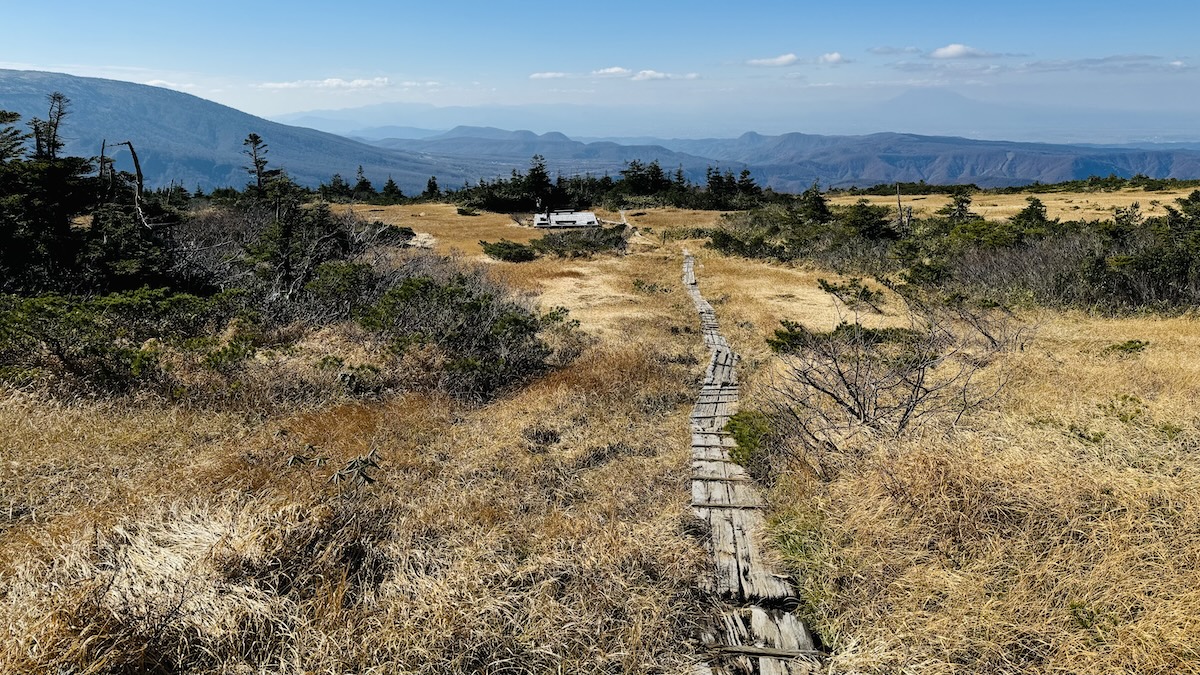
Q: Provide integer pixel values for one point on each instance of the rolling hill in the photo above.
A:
(792, 162)
(564, 154)
(185, 139)
(189, 140)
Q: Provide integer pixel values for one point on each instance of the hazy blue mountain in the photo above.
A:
(192, 141)
(793, 161)
(562, 154)
(920, 110)
(571, 118)
(388, 131)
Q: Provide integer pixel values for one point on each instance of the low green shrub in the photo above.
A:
(508, 251)
(583, 242)
(490, 342)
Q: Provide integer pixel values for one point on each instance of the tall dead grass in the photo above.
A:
(542, 532)
(1056, 530)
(1064, 205)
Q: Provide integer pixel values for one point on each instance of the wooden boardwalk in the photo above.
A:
(757, 632)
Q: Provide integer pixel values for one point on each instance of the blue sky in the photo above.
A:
(769, 62)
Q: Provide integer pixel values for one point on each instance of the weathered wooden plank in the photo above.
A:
(719, 469)
(752, 639)
(757, 580)
(710, 470)
(717, 398)
(708, 453)
(765, 652)
(710, 438)
(724, 552)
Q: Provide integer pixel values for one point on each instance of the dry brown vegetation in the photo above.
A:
(543, 532)
(1056, 530)
(1064, 205)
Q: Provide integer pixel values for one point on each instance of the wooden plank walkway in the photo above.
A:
(757, 632)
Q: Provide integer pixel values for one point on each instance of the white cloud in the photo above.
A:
(1115, 64)
(330, 83)
(644, 75)
(774, 61)
(547, 76)
(169, 85)
(613, 71)
(833, 59)
(958, 51)
(413, 83)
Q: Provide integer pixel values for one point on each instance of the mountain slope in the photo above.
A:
(195, 142)
(563, 153)
(192, 141)
(793, 161)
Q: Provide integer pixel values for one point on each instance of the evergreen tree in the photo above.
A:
(391, 193)
(363, 190)
(537, 181)
(432, 191)
(47, 142)
(256, 150)
(812, 207)
(337, 190)
(12, 140)
(958, 211)
(656, 179)
(746, 185)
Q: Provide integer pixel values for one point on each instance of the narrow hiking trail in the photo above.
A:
(758, 631)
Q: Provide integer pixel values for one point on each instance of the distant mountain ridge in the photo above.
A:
(195, 142)
(793, 161)
(564, 154)
(185, 139)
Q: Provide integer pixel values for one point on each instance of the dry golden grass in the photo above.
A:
(543, 532)
(667, 218)
(1064, 205)
(1056, 531)
(452, 233)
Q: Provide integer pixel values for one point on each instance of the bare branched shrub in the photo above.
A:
(840, 390)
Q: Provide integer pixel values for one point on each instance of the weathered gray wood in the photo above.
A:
(753, 638)
(766, 651)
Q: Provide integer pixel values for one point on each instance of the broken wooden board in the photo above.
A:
(756, 633)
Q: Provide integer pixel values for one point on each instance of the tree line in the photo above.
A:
(108, 288)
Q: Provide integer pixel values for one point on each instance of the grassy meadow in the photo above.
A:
(1098, 205)
(1054, 529)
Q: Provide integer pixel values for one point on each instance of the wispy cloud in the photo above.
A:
(774, 61)
(170, 85)
(647, 75)
(330, 83)
(959, 51)
(827, 59)
(1131, 64)
(1117, 63)
(554, 75)
(613, 71)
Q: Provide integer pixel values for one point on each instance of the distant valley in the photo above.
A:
(195, 142)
